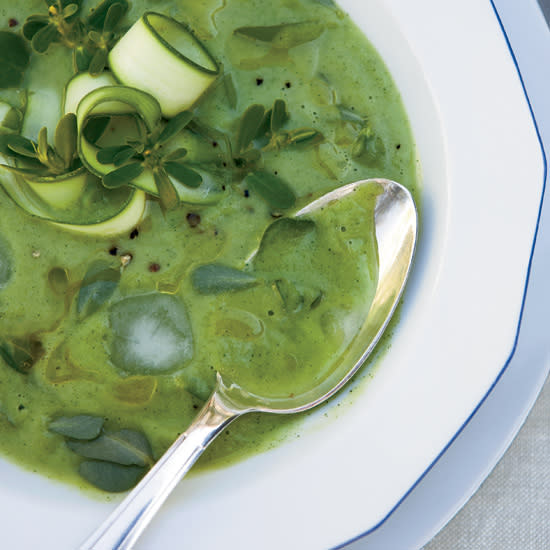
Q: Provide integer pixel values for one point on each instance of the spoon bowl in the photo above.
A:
(395, 220)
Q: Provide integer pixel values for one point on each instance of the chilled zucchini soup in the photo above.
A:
(153, 155)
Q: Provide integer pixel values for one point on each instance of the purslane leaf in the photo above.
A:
(44, 37)
(183, 174)
(123, 175)
(249, 125)
(14, 59)
(65, 138)
(168, 195)
(175, 126)
(283, 36)
(96, 18)
(126, 447)
(98, 285)
(279, 115)
(217, 278)
(273, 189)
(110, 477)
(82, 426)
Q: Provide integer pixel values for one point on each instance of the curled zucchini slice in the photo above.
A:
(112, 101)
(80, 85)
(60, 191)
(115, 101)
(163, 57)
(48, 204)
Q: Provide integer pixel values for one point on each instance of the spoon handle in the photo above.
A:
(123, 527)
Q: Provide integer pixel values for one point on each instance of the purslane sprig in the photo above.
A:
(90, 38)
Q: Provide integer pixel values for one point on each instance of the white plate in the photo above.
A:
(483, 179)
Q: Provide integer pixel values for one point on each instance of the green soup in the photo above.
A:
(130, 329)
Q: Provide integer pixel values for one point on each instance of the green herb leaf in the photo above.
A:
(279, 115)
(177, 154)
(13, 143)
(65, 138)
(96, 18)
(273, 189)
(123, 156)
(44, 37)
(21, 354)
(107, 476)
(230, 90)
(284, 36)
(183, 174)
(292, 299)
(95, 128)
(81, 58)
(123, 175)
(14, 59)
(305, 136)
(348, 115)
(114, 14)
(70, 10)
(175, 126)
(82, 426)
(98, 62)
(126, 447)
(218, 278)
(249, 125)
(168, 195)
(96, 288)
(58, 280)
(107, 154)
(33, 24)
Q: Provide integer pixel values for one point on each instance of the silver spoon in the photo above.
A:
(396, 227)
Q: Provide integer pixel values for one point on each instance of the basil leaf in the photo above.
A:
(183, 174)
(168, 195)
(123, 175)
(175, 126)
(279, 115)
(249, 125)
(107, 476)
(14, 59)
(218, 278)
(82, 426)
(273, 189)
(126, 447)
(284, 36)
(96, 288)
(44, 37)
(65, 138)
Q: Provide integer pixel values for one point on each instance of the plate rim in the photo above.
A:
(524, 294)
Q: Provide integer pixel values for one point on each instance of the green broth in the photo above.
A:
(277, 337)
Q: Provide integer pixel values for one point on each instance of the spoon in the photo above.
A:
(395, 220)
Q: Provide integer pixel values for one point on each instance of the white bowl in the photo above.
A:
(358, 457)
